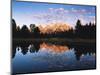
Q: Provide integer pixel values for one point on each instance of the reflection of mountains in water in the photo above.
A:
(58, 47)
(54, 48)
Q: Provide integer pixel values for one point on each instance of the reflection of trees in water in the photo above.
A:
(84, 50)
(34, 47)
(80, 49)
(25, 47)
(13, 50)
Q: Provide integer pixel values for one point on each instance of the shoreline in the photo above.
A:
(76, 40)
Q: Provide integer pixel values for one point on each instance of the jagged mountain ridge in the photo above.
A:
(54, 27)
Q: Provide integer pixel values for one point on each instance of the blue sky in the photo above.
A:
(43, 13)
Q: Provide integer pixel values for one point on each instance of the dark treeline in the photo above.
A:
(80, 31)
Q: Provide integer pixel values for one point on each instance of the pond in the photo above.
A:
(40, 57)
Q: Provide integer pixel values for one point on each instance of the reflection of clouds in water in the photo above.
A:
(54, 59)
(45, 55)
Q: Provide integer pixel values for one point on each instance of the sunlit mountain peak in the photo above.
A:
(54, 27)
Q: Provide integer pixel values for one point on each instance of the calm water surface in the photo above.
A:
(47, 57)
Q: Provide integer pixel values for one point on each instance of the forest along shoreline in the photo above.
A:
(81, 34)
